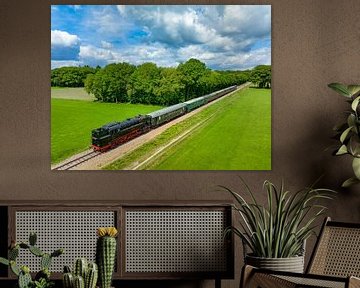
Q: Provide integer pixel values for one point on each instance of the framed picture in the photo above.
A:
(160, 87)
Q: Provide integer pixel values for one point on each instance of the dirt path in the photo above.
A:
(114, 154)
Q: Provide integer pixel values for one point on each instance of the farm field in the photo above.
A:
(71, 93)
(237, 136)
(73, 120)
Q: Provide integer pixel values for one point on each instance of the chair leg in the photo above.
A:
(246, 273)
(217, 283)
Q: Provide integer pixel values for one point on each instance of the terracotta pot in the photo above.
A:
(291, 264)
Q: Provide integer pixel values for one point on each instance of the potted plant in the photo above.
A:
(84, 274)
(348, 132)
(42, 278)
(276, 233)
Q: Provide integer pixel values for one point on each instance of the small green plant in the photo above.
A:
(349, 132)
(279, 229)
(42, 278)
(85, 275)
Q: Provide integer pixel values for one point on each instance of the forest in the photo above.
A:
(150, 84)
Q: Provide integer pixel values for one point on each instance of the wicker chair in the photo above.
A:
(334, 263)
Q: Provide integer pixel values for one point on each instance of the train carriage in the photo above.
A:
(166, 114)
(194, 103)
(212, 96)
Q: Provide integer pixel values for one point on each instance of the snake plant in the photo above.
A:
(348, 132)
(280, 228)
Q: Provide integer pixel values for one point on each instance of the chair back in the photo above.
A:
(337, 251)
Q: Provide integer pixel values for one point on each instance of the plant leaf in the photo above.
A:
(340, 88)
(345, 133)
(353, 89)
(356, 167)
(4, 261)
(342, 150)
(351, 119)
(354, 145)
(355, 103)
(349, 182)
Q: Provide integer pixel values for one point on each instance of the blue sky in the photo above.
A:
(225, 37)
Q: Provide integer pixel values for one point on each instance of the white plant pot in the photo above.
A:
(291, 264)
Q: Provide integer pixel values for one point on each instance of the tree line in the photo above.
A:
(150, 84)
(71, 76)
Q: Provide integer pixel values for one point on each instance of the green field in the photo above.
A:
(73, 120)
(71, 93)
(237, 137)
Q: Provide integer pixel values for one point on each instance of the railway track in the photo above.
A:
(77, 161)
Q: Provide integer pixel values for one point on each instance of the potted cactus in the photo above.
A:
(106, 254)
(84, 275)
(42, 278)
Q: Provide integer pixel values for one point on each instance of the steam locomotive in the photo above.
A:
(116, 133)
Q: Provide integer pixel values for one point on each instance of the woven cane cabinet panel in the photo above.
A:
(172, 241)
(74, 231)
(176, 241)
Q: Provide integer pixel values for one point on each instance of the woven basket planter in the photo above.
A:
(291, 264)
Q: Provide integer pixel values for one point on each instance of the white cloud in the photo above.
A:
(224, 37)
(243, 61)
(139, 54)
(95, 53)
(106, 45)
(63, 38)
(63, 63)
(76, 7)
(250, 20)
(121, 9)
(195, 51)
(105, 21)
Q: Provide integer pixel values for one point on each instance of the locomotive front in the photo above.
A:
(100, 137)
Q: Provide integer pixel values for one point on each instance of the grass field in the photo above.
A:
(71, 93)
(237, 137)
(73, 120)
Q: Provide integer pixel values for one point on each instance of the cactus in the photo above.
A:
(91, 276)
(44, 273)
(67, 269)
(4, 261)
(105, 254)
(36, 251)
(57, 252)
(14, 268)
(90, 272)
(79, 282)
(68, 280)
(32, 239)
(24, 278)
(24, 246)
(80, 267)
(13, 253)
(45, 261)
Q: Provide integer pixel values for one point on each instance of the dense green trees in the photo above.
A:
(192, 70)
(71, 76)
(110, 83)
(170, 88)
(150, 84)
(142, 84)
(261, 76)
